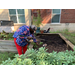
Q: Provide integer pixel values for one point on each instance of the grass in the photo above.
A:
(5, 55)
(69, 35)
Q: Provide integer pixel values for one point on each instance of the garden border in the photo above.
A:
(9, 46)
(69, 44)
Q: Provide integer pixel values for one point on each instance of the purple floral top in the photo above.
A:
(23, 31)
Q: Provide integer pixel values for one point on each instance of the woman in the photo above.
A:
(22, 36)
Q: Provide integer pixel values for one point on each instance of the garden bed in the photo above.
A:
(7, 46)
(55, 42)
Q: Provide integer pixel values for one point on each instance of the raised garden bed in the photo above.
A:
(7, 46)
(55, 42)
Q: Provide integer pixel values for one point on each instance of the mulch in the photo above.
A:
(54, 43)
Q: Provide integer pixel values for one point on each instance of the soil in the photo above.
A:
(54, 43)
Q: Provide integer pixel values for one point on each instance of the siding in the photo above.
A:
(4, 14)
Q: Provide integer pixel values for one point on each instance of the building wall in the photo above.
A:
(68, 16)
(59, 27)
(45, 14)
(67, 19)
(4, 15)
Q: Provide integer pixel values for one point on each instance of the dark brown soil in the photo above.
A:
(54, 42)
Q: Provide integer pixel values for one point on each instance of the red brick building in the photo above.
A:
(66, 15)
(58, 19)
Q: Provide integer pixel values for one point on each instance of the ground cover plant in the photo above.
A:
(5, 55)
(41, 57)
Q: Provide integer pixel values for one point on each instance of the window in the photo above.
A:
(17, 15)
(56, 15)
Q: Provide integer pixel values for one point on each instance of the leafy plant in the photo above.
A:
(6, 36)
(5, 55)
(37, 20)
(74, 48)
(41, 57)
(41, 43)
(34, 45)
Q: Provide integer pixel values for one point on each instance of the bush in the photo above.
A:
(41, 57)
(37, 20)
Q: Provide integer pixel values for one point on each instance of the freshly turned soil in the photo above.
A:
(54, 43)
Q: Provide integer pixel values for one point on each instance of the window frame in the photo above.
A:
(56, 14)
(17, 16)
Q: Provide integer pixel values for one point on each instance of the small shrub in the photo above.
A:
(41, 57)
(37, 20)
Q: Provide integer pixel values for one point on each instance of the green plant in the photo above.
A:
(6, 36)
(41, 57)
(34, 45)
(74, 48)
(41, 43)
(5, 55)
(37, 20)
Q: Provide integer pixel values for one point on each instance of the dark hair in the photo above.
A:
(33, 27)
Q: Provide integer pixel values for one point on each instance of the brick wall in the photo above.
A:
(67, 15)
(45, 14)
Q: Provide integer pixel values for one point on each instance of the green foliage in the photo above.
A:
(6, 36)
(41, 43)
(5, 55)
(37, 20)
(74, 48)
(34, 45)
(41, 57)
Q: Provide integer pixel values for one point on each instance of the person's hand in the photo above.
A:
(29, 37)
